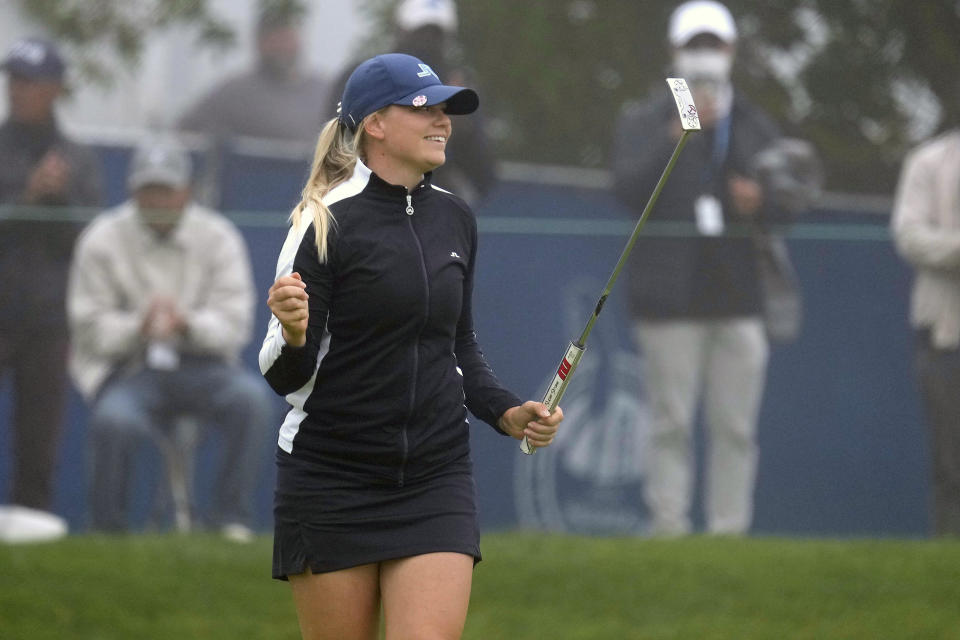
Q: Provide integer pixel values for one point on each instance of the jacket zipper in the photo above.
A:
(416, 347)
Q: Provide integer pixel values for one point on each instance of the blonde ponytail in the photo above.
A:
(333, 162)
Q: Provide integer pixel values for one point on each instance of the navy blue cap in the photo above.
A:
(396, 78)
(34, 58)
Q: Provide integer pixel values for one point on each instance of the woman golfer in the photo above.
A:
(372, 342)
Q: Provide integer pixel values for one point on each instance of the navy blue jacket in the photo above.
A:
(35, 251)
(381, 389)
(688, 275)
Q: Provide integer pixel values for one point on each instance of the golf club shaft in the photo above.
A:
(575, 349)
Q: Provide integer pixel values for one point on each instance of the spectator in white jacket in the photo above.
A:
(160, 303)
(926, 229)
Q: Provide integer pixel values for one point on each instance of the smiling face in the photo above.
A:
(406, 142)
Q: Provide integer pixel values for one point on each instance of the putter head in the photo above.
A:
(689, 119)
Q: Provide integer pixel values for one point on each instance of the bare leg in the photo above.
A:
(339, 605)
(426, 597)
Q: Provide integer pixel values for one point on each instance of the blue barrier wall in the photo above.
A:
(843, 447)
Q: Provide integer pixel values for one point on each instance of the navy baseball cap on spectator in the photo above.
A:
(34, 59)
(396, 78)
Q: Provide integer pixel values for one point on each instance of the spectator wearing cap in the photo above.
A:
(277, 99)
(45, 180)
(160, 303)
(427, 29)
(372, 343)
(696, 299)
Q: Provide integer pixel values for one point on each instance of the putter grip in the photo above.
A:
(558, 385)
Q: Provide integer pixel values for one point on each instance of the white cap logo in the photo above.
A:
(419, 101)
(33, 52)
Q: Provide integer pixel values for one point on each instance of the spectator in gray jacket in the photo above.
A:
(160, 302)
(45, 178)
(926, 229)
(277, 99)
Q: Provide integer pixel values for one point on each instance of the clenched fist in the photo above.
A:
(287, 300)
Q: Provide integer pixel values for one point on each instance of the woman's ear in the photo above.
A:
(373, 126)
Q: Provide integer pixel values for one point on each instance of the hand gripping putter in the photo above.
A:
(689, 121)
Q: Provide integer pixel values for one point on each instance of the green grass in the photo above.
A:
(541, 587)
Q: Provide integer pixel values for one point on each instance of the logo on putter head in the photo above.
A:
(690, 119)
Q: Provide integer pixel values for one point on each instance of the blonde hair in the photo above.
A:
(333, 162)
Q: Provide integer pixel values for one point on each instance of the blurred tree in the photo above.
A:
(863, 79)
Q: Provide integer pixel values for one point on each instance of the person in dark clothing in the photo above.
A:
(44, 178)
(427, 29)
(372, 342)
(696, 299)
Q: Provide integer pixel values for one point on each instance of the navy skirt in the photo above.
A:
(334, 523)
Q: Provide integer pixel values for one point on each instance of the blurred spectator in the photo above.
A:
(427, 29)
(160, 302)
(926, 230)
(48, 177)
(276, 99)
(697, 299)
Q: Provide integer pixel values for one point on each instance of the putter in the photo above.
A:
(689, 121)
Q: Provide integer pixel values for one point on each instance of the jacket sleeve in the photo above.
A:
(88, 181)
(485, 396)
(755, 131)
(916, 235)
(102, 326)
(288, 368)
(223, 324)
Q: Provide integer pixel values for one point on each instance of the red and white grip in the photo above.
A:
(558, 385)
